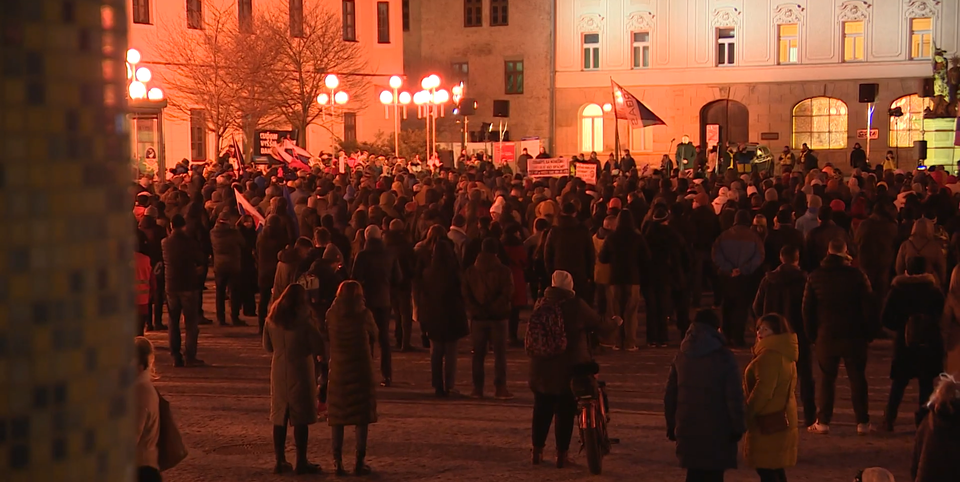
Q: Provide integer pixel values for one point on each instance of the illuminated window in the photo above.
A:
(906, 128)
(641, 140)
(921, 33)
(821, 123)
(198, 134)
(591, 51)
(245, 14)
(296, 18)
(472, 13)
(853, 41)
(789, 44)
(194, 14)
(641, 50)
(498, 13)
(591, 128)
(141, 11)
(726, 40)
(350, 126)
(461, 71)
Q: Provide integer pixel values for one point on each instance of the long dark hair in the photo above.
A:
(284, 312)
(350, 296)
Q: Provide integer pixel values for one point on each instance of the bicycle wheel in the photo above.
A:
(591, 443)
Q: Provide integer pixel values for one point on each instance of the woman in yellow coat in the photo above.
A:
(769, 383)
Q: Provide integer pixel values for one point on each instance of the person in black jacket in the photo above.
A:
(781, 292)
(228, 247)
(782, 235)
(183, 258)
(569, 247)
(400, 247)
(840, 322)
(626, 251)
(668, 266)
(377, 272)
(858, 158)
(915, 305)
(937, 445)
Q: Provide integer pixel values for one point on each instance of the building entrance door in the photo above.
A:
(732, 117)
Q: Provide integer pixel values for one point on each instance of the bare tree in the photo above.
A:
(309, 48)
(195, 70)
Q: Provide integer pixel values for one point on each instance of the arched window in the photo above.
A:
(821, 123)
(906, 128)
(591, 128)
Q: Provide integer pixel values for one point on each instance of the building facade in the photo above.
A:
(768, 72)
(373, 27)
(499, 49)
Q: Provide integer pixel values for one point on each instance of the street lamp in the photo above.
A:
(430, 103)
(396, 99)
(145, 104)
(330, 101)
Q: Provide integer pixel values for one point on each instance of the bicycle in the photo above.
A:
(593, 415)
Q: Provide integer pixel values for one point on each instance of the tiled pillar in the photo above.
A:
(66, 304)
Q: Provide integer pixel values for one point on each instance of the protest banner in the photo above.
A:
(537, 168)
(586, 171)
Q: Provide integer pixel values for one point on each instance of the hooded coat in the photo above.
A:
(377, 270)
(270, 242)
(440, 307)
(738, 248)
(488, 289)
(922, 242)
(769, 383)
(909, 296)
(293, 380)
(703, 404)
(228, 246)
(951, 324)
(569, 247)
(552, 375)
(937, 446)
(837, 307)
(781, 292)
(352, 386)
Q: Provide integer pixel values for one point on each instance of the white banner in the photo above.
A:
(548, 168)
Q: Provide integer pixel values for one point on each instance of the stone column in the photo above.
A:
(66, 276)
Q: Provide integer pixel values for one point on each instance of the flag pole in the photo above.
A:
(616, 126)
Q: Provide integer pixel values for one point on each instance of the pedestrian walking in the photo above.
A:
(293, 339)
(378, 272)
(228, 246)
(551, 377)
(840, 321)
(772, 438)
(703, 404)
(913, 310)
(626, 251)
(352, 392)
(487, 291)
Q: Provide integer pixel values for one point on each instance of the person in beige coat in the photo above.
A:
(352, 386)
(292, 336)
(951, 326)
(147, 413)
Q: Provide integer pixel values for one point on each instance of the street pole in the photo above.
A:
(396, 124)
(869, 124)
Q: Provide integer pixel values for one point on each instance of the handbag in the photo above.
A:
(170, 448)
(776, 422)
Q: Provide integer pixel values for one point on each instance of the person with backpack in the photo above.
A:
(913, 309)
(557, 340)
(487, 291)
(922, 242)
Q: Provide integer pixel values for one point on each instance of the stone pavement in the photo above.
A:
(222, 410)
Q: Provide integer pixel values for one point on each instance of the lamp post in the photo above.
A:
(430, 103)
(145, 107)
(330, 101)
(396, 99)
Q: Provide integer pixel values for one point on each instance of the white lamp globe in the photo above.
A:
(144, 75)
(405, 98)
(331, 81)
(395, 82)
(386, 97)
(155, 94)
(323, 99)
(434, 81)
(137, 90)
(133, 56)
(341, 97)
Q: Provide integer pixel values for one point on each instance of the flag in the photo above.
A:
(292, 212)
(280, 153)
(239, 155)
(627, 107)
(247, 209)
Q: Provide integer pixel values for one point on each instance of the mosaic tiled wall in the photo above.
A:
(65, 243)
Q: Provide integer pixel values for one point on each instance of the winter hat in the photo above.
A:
(838, 205)
(876, 474)
(562, 280)
(371, 232)
(615, 203)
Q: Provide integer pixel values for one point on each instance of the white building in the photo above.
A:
(375, 26)
(777, 73)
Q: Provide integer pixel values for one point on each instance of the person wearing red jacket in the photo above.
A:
(146, 283)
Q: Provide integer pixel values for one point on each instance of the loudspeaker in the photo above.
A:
(920, 150)
(868, 93)
(476, 136)
(468, 106)
(501, 108)
(926, 87)
(493, 136)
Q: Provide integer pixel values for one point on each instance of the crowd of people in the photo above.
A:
(821, 259)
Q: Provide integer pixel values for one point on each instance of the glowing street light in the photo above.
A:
(330, 101)
(395, 98)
